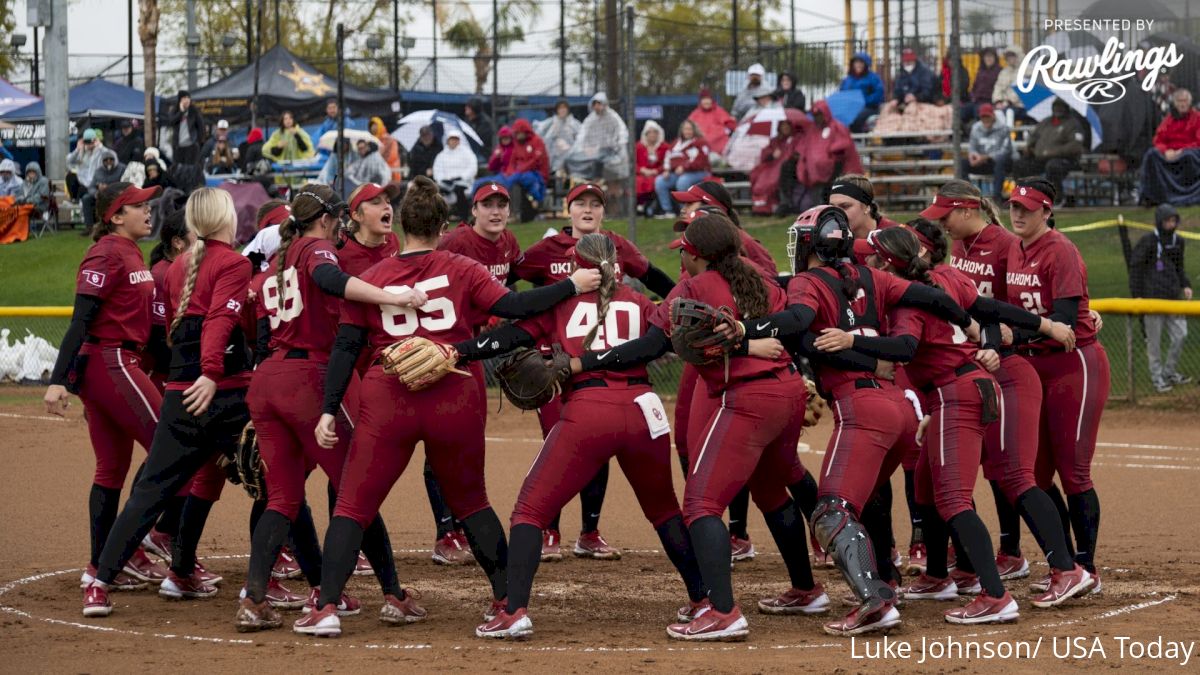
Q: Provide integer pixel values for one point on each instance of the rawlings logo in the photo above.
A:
(1096, 79)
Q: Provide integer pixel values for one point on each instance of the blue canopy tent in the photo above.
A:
(12, 97)
(97, 98)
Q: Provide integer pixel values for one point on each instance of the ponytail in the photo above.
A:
(746, 285)
(902, 244)
(287, 234)
(597, 249)
(850, 284)
(608, 288)
(990, 212)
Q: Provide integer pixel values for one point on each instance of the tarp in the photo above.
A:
(97, 98)
(12, 97)
(287, 82)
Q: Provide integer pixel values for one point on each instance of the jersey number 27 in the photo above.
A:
(435, 315)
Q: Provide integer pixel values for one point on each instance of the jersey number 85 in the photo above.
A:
(435, 315)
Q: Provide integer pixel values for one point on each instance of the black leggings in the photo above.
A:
(182, 444)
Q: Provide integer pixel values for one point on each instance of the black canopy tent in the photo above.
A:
(287, 82)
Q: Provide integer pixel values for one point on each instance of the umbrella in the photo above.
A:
(410, 128)
(353, 135)
(766, 122)
(846, 105)
(1039, 101)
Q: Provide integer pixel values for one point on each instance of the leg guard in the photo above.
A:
(840, 533)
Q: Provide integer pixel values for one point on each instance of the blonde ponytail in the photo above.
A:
(197, 252)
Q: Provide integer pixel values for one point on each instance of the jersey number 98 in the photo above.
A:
(283, 306)
(435, 315)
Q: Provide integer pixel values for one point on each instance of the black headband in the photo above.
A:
(853, 191)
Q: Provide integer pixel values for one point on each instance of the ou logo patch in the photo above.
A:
(1022, 190)
(657, 415)
(94, 278)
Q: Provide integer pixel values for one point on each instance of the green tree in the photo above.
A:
(467, 33)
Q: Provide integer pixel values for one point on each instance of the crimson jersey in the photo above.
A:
(497, 256)
(550, 259)
(984, 258)
(114, 272)
(878, 292)
(356, 258)
(460, 290)
(943, 346)
(711, 288)
(629, 314)
(302, 316)
(158, 313)
(219, 296)
(1048, 269)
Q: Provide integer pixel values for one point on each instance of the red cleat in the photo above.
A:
(711, 625)
(398, 612)
(453, 549)
(362, 566)
(505, 626)
(691, 610)
(986, 609)
(926, 587)
(551, 546)
(142, 568)
(286, 566)
(347, 605)
(95, 601)
(871, 616)
(323, 623)
(917, 561)
(592, 545)
(254, 617)
(175, 587)
(1011, 567)
(211, 578)
(796, 601)
(968, 584)
(1063, 586)
(741, 549)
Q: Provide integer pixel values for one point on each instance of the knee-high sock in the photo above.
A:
(306, 546)
(103, 504)
(342, 543)
(1039, 514)
(268, 538)
(1056, 497)
(977, 544)
(442, 517)
(257, 509)
(739, 512)
(1085, 519)
(168, 522)
(554, 524)
(332, 495)
(914, 510)
(787, 528)
(377, 547)
(937, 540)
(877, 520)
(191, 527)
(591, 500)
(710, 540)
(683, 464)
(524, 556)
(1010, 522)
(486, 536)
(678, 545)
(804, 493)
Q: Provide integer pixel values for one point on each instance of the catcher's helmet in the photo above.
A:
(823, 230)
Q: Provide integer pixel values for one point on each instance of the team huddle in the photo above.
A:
(940, 346)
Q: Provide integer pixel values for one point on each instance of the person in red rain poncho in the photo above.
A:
(714, 122)
(826, 150)
(771, 182)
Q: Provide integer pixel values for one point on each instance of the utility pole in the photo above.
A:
(792, 15)
(340, 184)
(396, 19)
(595, 45)
(128, 43)
(734, 29)
(277, 38)
(193, 41)
(495, 56)
(395, 74)
(56, 92)
(257, 61)
(955, 83)
(562, 48)
(631, 124)
(758, 30)
(249, 33)
(612, 35)
(36, 85)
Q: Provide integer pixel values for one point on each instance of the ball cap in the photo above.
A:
(696, 194)
(583, 189)
(942, 206)
(908, 55)
(223, 124)
(89, 134)
(487, 190)
(370, 191)
(987, 110)
(1031, 198)
(756, 69)
(131, 195)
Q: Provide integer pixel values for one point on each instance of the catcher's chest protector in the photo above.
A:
(850, 320)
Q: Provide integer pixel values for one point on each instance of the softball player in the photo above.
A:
(302, 298)
(204, 409)
(854, 194)
(448, 416)
(548, 261)
(606, 414)
(100, 360)
(1047, 276)
(981, 250)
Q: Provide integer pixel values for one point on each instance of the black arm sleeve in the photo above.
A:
(792, 321)
(494, 343)
(935, 301)
(847, 359)
(899, 348)
(989, 310)
(350, 341)
(637, 352)
(512, 278)
(87, 307)
(535, 301)
(331, 280)
(262, 340)
(1065, 310)
(657, 281)
(991, 337)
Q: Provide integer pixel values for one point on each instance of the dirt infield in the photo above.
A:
(588, 615)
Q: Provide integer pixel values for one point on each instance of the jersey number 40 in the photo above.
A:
(586, 315)
(435, 315)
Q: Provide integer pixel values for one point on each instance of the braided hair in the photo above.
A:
(208, 212)
(717, 240)
(1044, 186)
(310, 203)
(602, 252)
(901, 243)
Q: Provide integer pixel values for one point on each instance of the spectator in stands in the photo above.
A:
(1171, 169)
(600, 150)
(36, 190)
(746, 97)
(368, 166)
(330, 123)
(222, 159)
(329, 170)
(128, 144)
(1156, 271)
(82, 163)
(773, 181)
(788, 93)
(221, 131)
(109, 172)
(1004, 95)
(713, 121)
(389, 149)
(480, 121)
(989, 150)
(454, 171)
(424, 151)
(915, 82)
(156, 171)
(11, 184)
(251, 153)
(519, 159)
(862, 78)
(685, 164)
(558, 132)
(985, 81)
(964, 80)
(826, 151)
(854, 194)
(289, 142)
(1053, 147)
(189, 127)
(651, 151)
(4, 153)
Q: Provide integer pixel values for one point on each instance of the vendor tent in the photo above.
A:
(287, 82)
(97, 98)
(12, 98)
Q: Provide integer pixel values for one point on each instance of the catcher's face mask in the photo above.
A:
(799, 246)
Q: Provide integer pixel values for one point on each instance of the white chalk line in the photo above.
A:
(44, 418)
(1108, 614)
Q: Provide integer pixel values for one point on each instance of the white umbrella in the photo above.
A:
(409, 129)
(353, 135)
